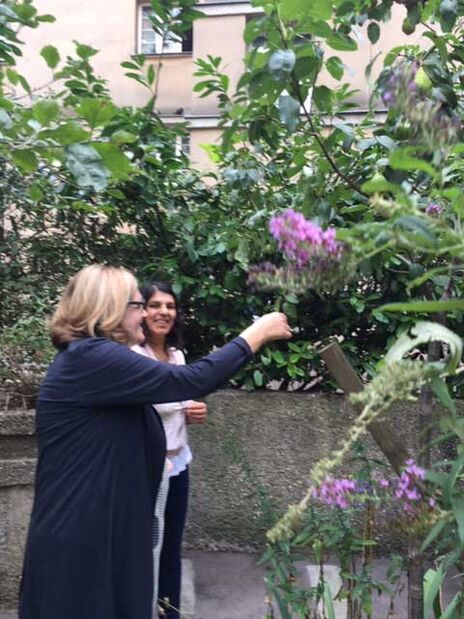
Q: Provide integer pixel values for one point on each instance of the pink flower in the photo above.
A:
(433, 209)
(300, 239)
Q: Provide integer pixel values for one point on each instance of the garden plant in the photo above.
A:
(355, 230)
(373, 218)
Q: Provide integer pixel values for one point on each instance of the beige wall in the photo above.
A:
(220, 36)
(176, 82)
(390, 37)
(198, 155)
(113, 30)
(107, 25)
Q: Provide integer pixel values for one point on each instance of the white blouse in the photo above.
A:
(173, 416)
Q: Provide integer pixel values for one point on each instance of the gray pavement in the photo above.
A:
(227, 585)
(231, 586)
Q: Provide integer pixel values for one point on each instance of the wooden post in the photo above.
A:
(383, 433)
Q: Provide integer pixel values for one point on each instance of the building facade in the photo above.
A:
(121, 28)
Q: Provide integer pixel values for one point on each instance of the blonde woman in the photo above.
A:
(102, 450)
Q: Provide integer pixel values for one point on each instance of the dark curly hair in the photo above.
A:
(174, 337)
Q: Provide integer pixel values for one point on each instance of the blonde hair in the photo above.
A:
(93, 305)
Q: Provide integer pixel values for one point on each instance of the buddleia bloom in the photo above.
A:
(406, 88)
(314, 257)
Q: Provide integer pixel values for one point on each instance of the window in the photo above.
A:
(151, 42)
(183, 144)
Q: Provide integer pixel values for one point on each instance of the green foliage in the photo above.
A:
(84, 180)
(26, 353)
(392, 191)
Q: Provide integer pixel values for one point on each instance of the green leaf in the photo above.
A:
(433, 580)
(322, 97)
(151, 75)
(458, 510)
(87, 166)
(25, 159)
(274, 591)
(68, 133)
(451, 610)
(46, 18)
(402, 159)
(12, 75)
(422, 333)
(379, 184)
(418, 226)
(85, 51)
(97, 112)
(440, 389)
(328, 601)
(433, 533)
(341, 42)
(51, 56)
(123, 137)
(46, 111)
(335, 67)
(316, 9)
(418, 281)
(177, 288)
(35, 193)
(289, 112)
(116, 162)
(447, 305)
(373, 32)
(450, 485)
(449, 10)
(281, 63)
(258, 378)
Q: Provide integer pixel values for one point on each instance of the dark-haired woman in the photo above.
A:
(162, 328)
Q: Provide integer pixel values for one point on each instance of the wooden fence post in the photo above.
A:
(347, 379)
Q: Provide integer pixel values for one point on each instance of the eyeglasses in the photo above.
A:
(139, 305)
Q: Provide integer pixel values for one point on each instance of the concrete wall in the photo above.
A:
(264, 441)
(267, 440)
(17, 467)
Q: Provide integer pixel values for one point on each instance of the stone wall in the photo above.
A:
(255, 450)
(17, 467)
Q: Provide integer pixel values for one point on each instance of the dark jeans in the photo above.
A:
(170, 561)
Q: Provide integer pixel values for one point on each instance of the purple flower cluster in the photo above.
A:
(336, 492)
(406, 490)
(433, 209)
(301, 239)
(431, 122)
(400, 87)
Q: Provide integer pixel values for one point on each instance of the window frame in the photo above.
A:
(157, 49)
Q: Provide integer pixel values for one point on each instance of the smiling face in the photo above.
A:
(161, 315)
(133, 319)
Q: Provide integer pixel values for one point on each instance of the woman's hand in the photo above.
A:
(273, 326)
(196, 412)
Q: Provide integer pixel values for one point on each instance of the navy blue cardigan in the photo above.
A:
(101, 454)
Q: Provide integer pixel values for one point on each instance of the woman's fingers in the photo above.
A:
(196, 412)
(273, 326)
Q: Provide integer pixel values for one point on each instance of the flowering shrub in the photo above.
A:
(301, 239)
(407, 491)
(315, 259)
(406, 87)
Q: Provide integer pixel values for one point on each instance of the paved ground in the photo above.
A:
(230, 586)
(220, 585)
